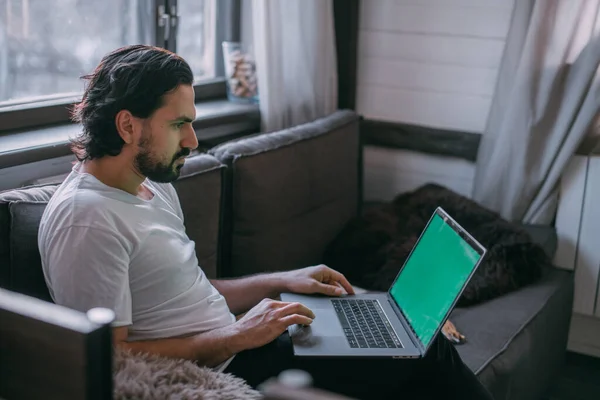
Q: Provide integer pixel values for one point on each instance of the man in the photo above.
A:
(113, 236)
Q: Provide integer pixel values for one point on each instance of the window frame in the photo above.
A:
(25, 116)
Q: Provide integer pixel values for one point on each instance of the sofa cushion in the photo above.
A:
(291, 192)
(27, 276)
(515, 342)
(19, 219)
(199, 188)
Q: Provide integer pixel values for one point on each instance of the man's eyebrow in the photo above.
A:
(182, 118)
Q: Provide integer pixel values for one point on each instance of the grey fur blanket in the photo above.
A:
(142, 376)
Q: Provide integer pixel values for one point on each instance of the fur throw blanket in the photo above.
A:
(143, 376)
(372, 248)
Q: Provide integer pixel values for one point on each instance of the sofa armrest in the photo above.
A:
(50, 351)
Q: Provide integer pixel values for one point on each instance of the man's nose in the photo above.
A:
(190, 140)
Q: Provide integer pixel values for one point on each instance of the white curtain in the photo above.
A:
(294, 44)
(546, 100)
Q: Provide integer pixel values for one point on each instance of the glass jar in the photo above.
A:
(240, 73)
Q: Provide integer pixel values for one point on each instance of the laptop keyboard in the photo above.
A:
(365, 324)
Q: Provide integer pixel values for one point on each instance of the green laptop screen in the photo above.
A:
(432, 277)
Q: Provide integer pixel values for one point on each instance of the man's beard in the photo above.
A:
(155, 170)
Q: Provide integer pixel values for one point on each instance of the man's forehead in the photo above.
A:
(179, 103)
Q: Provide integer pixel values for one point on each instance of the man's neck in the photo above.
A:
(117, 173)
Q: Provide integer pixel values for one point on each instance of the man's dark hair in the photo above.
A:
(132, 78)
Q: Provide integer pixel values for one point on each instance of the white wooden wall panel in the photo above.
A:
(389, 172)
(427, 77)
(588, 250)
(432, 63)
(578, 231)
(437, 49)
(441, 57)
(448, 18)
(451, 111)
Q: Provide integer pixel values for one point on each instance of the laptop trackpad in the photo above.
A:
(326, 323)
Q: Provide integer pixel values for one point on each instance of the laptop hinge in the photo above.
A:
(407, 327)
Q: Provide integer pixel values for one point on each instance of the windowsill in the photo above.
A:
(216, 121)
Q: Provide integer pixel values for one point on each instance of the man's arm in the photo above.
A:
(243, 293)
(210, 348)
(261, 325)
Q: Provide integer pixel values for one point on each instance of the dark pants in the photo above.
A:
(441, 374)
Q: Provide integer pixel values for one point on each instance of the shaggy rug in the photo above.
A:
(143, 376)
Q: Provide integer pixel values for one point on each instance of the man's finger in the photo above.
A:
(273, 303)
(296, 319)
(296, 308)
(330, 290)
(341, 279)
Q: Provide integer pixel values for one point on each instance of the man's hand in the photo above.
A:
(244, 293)
(318, 279)
(269, 319)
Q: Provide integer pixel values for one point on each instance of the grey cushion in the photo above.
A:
(200, 192)
(38, 193)
(26, 271)
(291, 193)
(517, 341)
(17, 228)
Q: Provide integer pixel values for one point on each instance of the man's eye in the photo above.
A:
(179, 125)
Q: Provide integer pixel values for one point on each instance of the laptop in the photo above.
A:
(403, 322)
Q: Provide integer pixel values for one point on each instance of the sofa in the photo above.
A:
(274, 202)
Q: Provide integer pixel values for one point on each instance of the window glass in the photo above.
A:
(196, 36)
(46, 45)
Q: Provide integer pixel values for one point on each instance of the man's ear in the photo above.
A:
(126, 126)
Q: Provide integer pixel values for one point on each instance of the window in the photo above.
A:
(47, 45)
(195, 40)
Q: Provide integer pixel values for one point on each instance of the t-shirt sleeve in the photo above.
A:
(89, 267)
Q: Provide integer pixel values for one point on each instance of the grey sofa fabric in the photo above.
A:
(291, 193)
(200, 192)
(20, 265)
(27, 276)
(515, 343)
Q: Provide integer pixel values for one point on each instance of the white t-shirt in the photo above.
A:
(104, 247)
